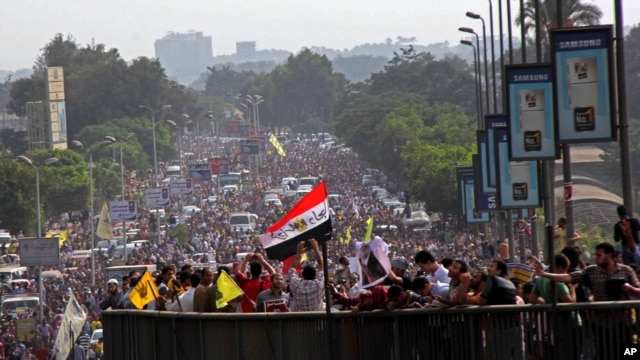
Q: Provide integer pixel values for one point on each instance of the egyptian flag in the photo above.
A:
(308, 219)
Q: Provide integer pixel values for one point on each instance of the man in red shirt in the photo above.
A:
(255, 284)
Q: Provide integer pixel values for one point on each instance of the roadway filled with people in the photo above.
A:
(383, 253)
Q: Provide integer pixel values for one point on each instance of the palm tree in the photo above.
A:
(574, 13)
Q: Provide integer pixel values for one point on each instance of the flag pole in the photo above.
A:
(327, 296)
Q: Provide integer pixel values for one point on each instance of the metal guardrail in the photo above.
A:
(568, 331)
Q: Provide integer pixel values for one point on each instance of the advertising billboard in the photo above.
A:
(583, 73)
(530, 108)
(518, 181)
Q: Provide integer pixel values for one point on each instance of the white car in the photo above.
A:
(190, 210)
(97, 334)
(418, 218)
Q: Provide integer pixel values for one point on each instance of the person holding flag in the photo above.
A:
(309, 290)
(144, 291)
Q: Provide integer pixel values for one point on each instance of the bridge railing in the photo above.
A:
(570, 331)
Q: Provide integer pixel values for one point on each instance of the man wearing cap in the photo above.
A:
(398, 274)
(113, 296)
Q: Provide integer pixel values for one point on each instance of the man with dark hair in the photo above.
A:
(184, 302)
(273, 299)
(435, 272)
(400, 298)
(255, 284)
(625, 231)
(498, 290)
(428, 290)
(607, 280)
(309, 290)
(541, 292)
(200, 294)
(561, 234)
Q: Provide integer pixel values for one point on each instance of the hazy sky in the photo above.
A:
(132, 26)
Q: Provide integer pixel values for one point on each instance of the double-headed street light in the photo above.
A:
(255, 101)
(153, 123)
(49, 161)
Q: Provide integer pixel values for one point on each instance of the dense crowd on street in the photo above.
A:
(445, 264)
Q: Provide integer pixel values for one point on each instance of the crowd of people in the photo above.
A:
(446, 264)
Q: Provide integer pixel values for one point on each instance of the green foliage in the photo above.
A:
(18, 197)
(304, 87)
(430, 170)
(100, 86)
(180, 232)
(415, 121)
(14, 141)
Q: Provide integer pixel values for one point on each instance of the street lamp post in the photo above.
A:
(153, 123)
(79, 145)
(478, 91)
(113, 140)
(216, 130)
(173, 123)
(49, 161)
(486, 65)
(471, 31)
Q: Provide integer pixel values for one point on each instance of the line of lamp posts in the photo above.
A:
(547, 167)
(109, 140)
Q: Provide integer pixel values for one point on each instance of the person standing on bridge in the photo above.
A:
(625, 231)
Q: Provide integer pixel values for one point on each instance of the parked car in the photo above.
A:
(418, 218)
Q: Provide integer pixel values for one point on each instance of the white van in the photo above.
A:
(310, 180)
(173, 171)
(243, 221)
(21, 303)
(5, 238)
(12, 272)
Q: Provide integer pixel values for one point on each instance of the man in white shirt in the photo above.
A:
(184, 302)
(435, 271)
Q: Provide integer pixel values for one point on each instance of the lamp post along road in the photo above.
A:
(79, 145)
(478, 92)
(153, 124)
(173, 123)
(113, 140)
(486, 65)
(477, 54)
(49, 161)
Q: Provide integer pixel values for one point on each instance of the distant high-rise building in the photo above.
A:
(246, 50)
(184, 55)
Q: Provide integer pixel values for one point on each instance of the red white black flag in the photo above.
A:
(308, 219)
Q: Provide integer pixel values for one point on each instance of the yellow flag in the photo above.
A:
(348, 239)
(276, 144)
(227, 290)
(367, 236)
(64, 236)
(341, 240)
(145, 291)
(104, 230)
